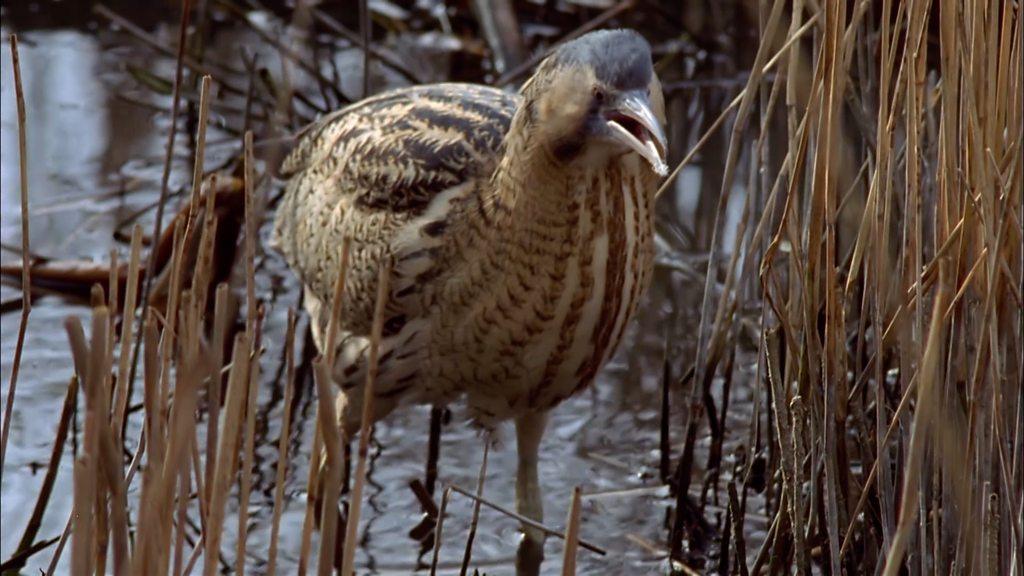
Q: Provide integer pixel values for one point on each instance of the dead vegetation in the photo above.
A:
(879, 256)
(889, 398)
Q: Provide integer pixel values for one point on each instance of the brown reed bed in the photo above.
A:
(880, 248)
(890, 346)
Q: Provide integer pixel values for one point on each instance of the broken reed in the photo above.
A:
(180, 368)
(889, 245)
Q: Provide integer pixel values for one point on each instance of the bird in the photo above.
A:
(517, 228)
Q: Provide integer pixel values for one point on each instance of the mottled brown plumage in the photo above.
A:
(519, 227)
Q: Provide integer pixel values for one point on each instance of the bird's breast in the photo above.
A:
(561, 291)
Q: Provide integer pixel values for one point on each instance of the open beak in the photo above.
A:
(632, 123)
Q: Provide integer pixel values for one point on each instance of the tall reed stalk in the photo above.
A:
(891, 274)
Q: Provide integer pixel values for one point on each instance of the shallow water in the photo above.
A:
(95, 160)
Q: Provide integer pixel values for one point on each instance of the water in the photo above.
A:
(95, 160)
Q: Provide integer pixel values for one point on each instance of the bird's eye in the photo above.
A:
(599, 95)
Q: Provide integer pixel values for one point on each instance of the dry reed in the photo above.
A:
(366, 421)
(480, 480)
(26, 274)
(891, 353)
(572, 535)
(178, 367)
(887, 250)
(282, 446)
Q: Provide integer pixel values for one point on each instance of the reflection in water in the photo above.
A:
(80, 137)
(67, 125)
(67, 135)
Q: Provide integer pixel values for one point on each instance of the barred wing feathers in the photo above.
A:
(369, 170)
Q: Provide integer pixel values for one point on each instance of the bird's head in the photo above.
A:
(597, 98)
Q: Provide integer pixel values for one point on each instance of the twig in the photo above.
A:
(928, 404)
(312, 493)
(327, 414)
(26, 275)
(437, 531)
(20, 558)
(602, 18)
(524, 520)
(248, 446)
(732, 105)
(664, 434)
(282, 445)
(737, 529)
(252, 330)
(315, 463)
(42, 501)
(481, 477)
(352, 523)
(337, 302)
(156, 44)
(186, 7)
(501, 30)
(357, 39)
(127, 318)
(200, 155)
(702, 370)
(227, 452)
(572, 535)
(61, 544)
(283, 49)
(365, 30)
(213, 390)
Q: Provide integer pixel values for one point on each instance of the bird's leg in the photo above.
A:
(529, 501)
(433, 447)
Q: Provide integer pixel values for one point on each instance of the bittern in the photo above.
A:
(517, 228)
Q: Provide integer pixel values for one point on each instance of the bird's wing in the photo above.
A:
(397, 150)
(367, 169)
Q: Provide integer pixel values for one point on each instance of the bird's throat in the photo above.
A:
(532, 183)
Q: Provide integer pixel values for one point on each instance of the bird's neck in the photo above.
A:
(530, 185)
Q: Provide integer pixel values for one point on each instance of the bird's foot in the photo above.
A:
(530, 553)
